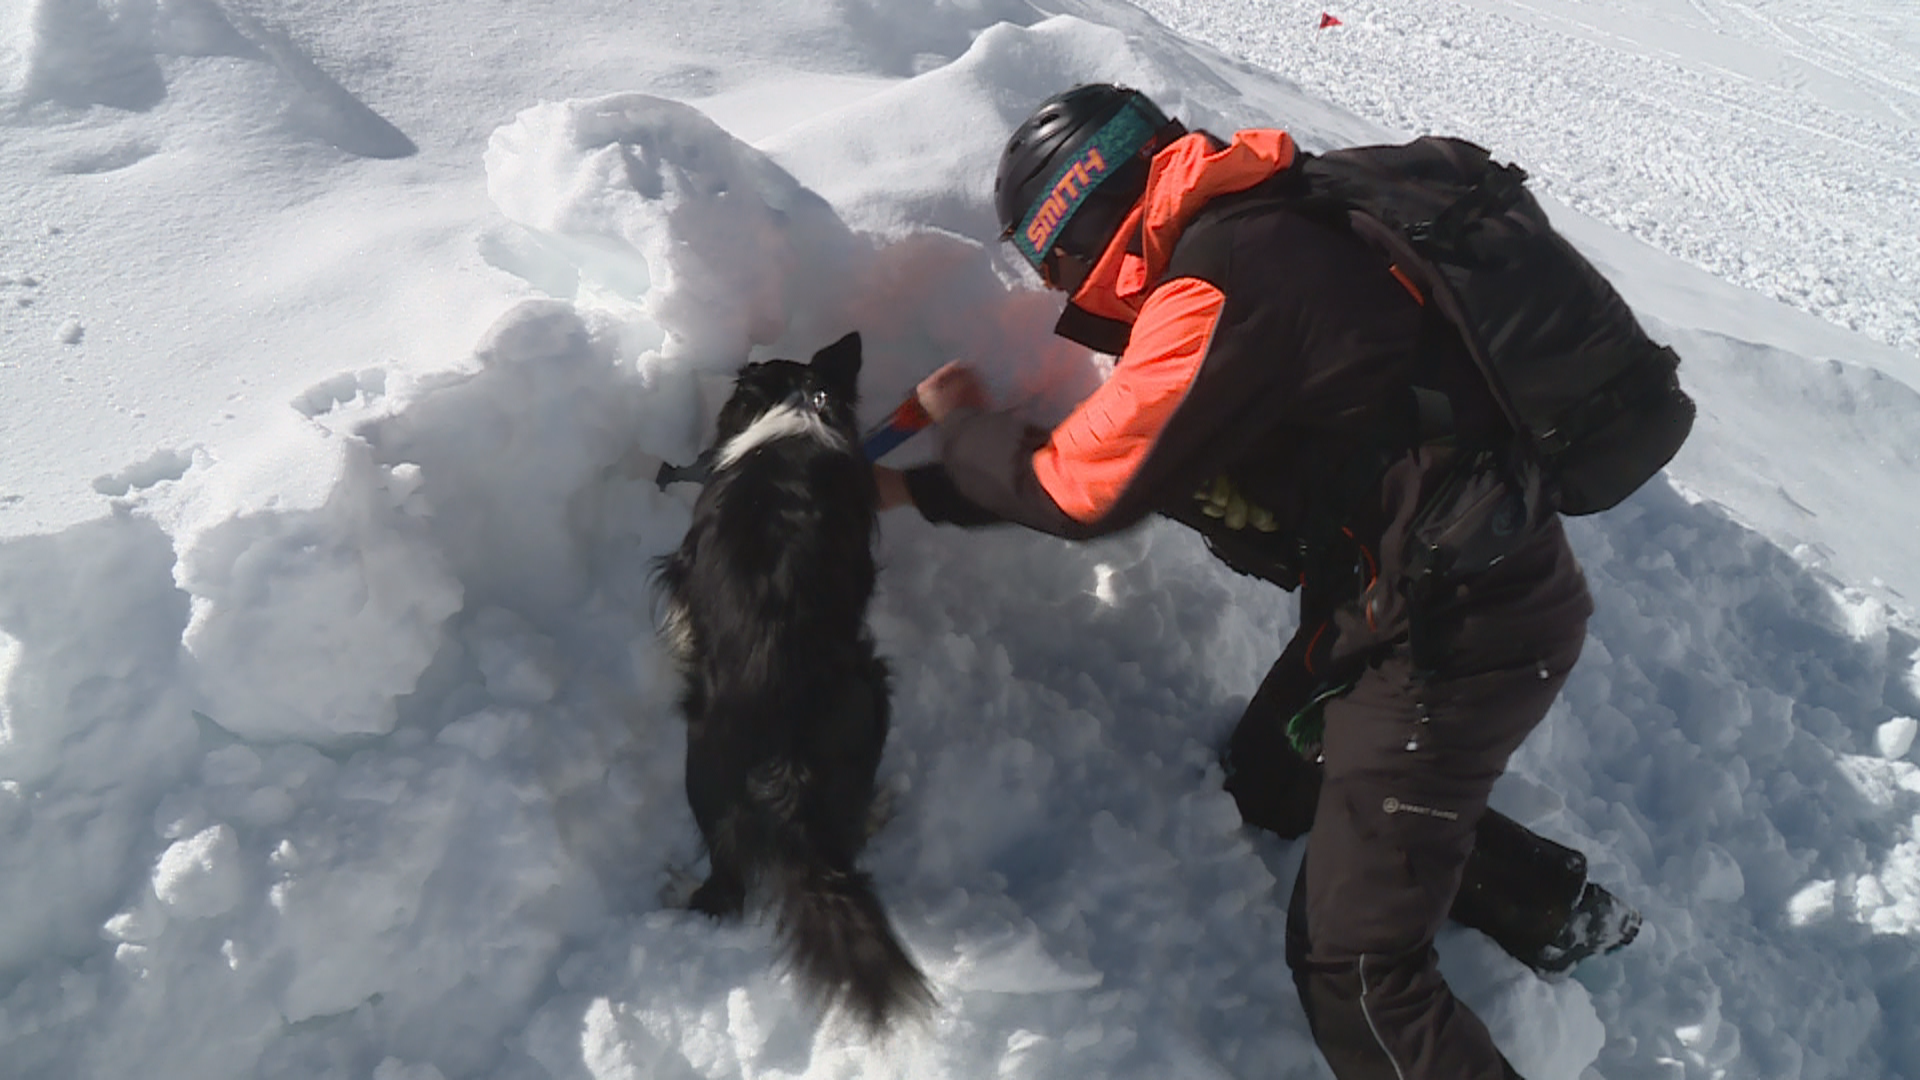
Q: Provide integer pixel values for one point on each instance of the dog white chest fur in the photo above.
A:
(779, 422)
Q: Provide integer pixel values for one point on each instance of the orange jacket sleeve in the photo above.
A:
(1094, 455)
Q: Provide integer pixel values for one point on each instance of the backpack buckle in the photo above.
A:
(1494, 193)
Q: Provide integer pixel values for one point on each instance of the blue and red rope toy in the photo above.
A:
(899, 426)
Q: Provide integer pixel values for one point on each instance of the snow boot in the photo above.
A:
(1601, 923)
(1532, 897)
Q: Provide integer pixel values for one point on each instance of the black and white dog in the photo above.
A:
(785, 699)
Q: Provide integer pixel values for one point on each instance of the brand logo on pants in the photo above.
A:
(1395, 806)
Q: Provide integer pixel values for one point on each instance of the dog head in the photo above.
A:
(775, 398)
(827, 387)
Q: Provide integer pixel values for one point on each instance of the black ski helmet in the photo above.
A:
(1081, 159)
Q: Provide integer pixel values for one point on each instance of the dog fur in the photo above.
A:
(785, 698)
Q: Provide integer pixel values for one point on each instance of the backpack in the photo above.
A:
(1597, 405)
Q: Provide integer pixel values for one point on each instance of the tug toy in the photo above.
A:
(899, 426)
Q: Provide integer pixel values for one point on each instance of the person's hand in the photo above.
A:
(954, 386)
(893, 488)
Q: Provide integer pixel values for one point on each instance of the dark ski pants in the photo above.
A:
(1408, 766)
(1518, 887)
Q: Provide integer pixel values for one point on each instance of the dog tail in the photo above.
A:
(842, 947)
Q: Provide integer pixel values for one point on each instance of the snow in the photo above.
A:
(1895, 737)
(339, 347)
(200, 877)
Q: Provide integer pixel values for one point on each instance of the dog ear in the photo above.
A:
(839, 364)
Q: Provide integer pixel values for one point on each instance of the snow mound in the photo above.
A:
(310, 625)
(656, 205)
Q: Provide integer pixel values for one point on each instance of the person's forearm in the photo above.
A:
(988, 458)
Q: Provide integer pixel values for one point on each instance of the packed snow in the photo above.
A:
(340, 346)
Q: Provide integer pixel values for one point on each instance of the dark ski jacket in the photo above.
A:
(1269, 353)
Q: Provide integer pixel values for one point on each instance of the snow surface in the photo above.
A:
(339, 345)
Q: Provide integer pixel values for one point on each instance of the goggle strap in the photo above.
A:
(1117, 141)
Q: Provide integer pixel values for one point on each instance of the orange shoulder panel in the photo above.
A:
(1097, 450)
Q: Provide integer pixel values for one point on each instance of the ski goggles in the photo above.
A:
(1065, 272)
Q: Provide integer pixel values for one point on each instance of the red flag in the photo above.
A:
(1327, 20)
